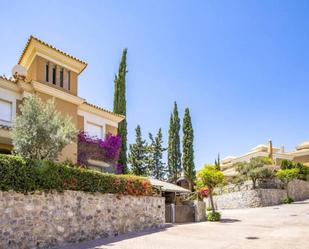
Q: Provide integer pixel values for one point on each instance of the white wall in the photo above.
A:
(93, 122)
(8, 97)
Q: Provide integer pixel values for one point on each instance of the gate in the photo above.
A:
(179, 213)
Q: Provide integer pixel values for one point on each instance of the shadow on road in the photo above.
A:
(99, 243)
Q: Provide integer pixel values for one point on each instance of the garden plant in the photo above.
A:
(256, 169)
(286, 176)
(209, 176)
(27, 176)
(41, 132)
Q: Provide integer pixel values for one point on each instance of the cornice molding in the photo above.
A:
(43, 88)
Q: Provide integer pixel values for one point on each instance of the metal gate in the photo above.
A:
(179, 213)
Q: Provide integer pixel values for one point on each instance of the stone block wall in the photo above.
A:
(199, 211)
(42, 220)
(298, 190)
(249, 199)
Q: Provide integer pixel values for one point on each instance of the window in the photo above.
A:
(54, 75)
(5, 112)
(94, 130)
(47, 72)
(69, 80)
(61, 77)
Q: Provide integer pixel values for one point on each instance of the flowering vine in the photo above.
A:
(107, 149)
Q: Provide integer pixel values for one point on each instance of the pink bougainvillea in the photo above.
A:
(204, 192)
(106, 149)
(119, 168)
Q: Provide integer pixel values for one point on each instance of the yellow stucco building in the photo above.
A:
(51, 73)
(300, 154)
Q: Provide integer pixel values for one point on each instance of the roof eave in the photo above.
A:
(36, 44)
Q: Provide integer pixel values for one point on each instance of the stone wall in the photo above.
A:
(199, 211)
(298, 190)
(248, 185)
(249, 198)
(41, 220)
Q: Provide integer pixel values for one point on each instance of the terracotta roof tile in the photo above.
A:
(8, 79)
(50, 46)
(103, 109)
(5, 127)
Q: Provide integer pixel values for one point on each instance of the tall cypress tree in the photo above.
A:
(120, 107)
(170, 149)
(174, 153)
(156, 166)
(138, 155)
(217, 162)
(187, 148)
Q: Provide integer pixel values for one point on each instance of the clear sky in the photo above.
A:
(242, 67)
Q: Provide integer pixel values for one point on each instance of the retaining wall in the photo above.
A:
(298, 190)
(42, 220)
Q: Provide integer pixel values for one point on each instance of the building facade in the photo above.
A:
(52, 74)
(300, 154)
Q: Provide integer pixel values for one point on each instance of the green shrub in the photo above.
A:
(255, 170)
(209, 209)
(303, 169)
(23, 175)
(41, 132)
(213, 216)
(287, 200)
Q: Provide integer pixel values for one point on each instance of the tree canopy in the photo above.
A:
(41, 132)
(209, 176)
(255, 170)
(138, 155)
(187, 148)
(120, 107)
(174, 153)
(155, 153)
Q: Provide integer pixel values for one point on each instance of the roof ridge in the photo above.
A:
(103, 109)
(50, 46)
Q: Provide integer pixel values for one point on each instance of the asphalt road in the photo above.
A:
(276, 227)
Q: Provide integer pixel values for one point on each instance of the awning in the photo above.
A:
(168, 187)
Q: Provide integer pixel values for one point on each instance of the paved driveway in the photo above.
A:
(280, 227)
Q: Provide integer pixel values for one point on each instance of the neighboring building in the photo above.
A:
(52, 73)
(301, 155)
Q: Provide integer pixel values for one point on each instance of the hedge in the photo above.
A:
(22, 175)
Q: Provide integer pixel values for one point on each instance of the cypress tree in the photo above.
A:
(174, 153)
(170, 157)
(217, 162)
(120, 107)
(156, 166)
(187, 146)
(138, 155)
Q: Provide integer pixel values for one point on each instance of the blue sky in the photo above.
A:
(240, 66)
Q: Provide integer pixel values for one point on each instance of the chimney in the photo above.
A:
(270, 149)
